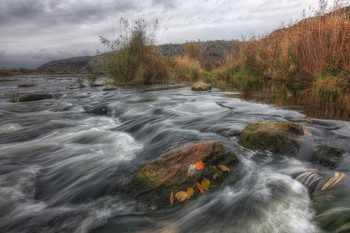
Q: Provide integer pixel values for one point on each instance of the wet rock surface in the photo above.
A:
(329, 192)
(178, 170)
(327, 156)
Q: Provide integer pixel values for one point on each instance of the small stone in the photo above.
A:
(201, 86)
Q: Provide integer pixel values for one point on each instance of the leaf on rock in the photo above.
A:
(215, 176)
(205, 183)
(200, 188)
(199, 165)
(308, 121)
(333, 181)
(191, 169)
(306, 129)
(172, 198)
(181, 196)
(213, 169)
(224, 168)
(190, 191)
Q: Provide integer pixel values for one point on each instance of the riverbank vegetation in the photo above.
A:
(315, 49)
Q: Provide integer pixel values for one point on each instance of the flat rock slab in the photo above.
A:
(277, 137)
(180, 169)
(201, 86)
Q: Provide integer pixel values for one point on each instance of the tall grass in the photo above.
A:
(311, 49)
(133, 58)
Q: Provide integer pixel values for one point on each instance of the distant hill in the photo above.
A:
(86, 64)
(215, 50)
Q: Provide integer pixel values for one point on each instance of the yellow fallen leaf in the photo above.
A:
(224, 168)
(190, 191)
(181, 196)
(331, 182)
(200, 188)
(337, 180)
(306, 129)
(205, 183)
(172, 198)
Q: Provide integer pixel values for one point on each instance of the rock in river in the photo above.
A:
(101, 110)
(34, 97)
(330, 193)
(328, 156)
(180, 169)
(277, 137)
(201, 86)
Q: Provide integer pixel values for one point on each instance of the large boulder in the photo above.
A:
(277, 137)
(34, 97)
(181, 168)
(201, 86)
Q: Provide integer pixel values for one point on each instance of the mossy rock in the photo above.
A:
(201, 86)
(328, 156)
(34, 97)
(176, 170)
(277, 137)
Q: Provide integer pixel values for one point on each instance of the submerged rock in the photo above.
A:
(179, 169)
(201, 86)
(328, 156)
(277, 137)
(101, 111)
(34, 97)
(331, 197)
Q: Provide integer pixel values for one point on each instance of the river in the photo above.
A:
(61, 166)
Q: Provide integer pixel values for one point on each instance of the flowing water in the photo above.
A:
(61, 166)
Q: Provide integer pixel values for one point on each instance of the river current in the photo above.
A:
(61, 165)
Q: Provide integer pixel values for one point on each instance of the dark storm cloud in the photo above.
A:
(53, 12)
(36, 31)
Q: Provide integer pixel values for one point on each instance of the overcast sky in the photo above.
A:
(37, 31)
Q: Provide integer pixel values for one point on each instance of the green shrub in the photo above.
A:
(91, 79)
(132, 57)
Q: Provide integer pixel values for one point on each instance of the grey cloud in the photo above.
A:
(36, 31)
(167, 4)
(51, 13)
